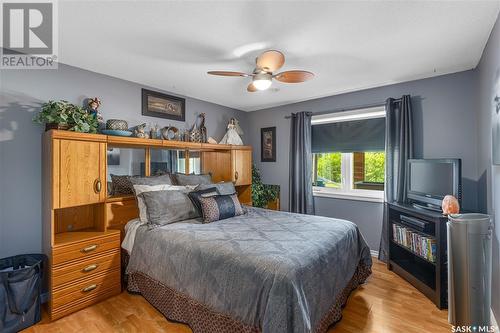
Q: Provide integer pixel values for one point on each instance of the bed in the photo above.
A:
(264, 271)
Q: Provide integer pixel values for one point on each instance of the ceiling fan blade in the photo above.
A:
(228, 73)
(294, 76)
(270, 61)
(251, 87)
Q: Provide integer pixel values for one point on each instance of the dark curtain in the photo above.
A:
(300, 192)
(398, 149)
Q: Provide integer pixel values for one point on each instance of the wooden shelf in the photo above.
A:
(138, 142)
(65, 238)
(117, 198)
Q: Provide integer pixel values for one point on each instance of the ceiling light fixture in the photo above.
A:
(262, 81)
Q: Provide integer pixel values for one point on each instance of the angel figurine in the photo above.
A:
(232, 136)
(93, 105)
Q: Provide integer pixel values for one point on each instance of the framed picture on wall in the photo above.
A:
(156, 104)
(268, 144)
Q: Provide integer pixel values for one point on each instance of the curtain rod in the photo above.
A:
(366, 106)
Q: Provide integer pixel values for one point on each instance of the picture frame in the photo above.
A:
(160, 105)
(268, 144)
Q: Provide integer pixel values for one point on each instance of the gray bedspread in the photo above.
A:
(274, 270)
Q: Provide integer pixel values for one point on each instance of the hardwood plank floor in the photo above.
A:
(385, 304)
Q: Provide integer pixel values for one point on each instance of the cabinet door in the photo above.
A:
(242, 167)
(81, 172)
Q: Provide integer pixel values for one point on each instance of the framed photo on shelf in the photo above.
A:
(268, 144)
(156, 104)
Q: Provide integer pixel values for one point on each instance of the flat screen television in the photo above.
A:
(429, 180)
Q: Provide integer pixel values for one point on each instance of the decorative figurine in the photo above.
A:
(140, 131)
(93, 105)
(154, 132)
(232, 137)
(198, 132)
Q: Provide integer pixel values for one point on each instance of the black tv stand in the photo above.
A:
(427, 207)
(419, 225)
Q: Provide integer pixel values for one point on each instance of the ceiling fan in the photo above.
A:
(262, 76)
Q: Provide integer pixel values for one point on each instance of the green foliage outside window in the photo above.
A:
(374, 167)
(329, 169)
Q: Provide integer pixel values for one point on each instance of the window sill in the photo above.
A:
(369, 197)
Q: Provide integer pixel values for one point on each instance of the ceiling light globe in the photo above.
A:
(262, 81)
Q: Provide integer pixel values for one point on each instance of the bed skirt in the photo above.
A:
(202, 319)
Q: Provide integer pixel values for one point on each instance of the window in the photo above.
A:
(348, 154)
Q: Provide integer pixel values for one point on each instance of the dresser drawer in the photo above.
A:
(88, 288)
(83, 302)
(85, 267)
(85, 249)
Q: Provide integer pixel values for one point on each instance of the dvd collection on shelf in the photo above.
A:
(417, 243)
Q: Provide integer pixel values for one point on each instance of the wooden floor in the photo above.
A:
(386, 303)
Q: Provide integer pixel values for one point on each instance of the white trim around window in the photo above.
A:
(358, 195)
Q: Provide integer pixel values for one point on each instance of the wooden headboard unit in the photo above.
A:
(225, 163)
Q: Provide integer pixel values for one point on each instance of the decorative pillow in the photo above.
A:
(196, 195)
(152, 180)
(182, 179)
(224, 188)
(220, 207)
(121, 184)
(165, 207)
(138, 189)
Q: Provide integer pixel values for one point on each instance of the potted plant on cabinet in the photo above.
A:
(264, 195)
(66, 116)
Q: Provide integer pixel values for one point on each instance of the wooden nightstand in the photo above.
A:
(85, 269)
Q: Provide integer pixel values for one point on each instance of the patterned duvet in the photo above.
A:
(273, 271)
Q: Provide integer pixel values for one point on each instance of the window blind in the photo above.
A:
(349, 136)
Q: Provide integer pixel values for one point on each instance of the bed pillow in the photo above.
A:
(152, 180)
(121, 184)
(138, 189)
(196, 195)
(224, 188)
(220, 207)
(169, 206)
(182, 179)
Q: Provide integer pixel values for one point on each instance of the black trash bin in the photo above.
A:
(20, 289)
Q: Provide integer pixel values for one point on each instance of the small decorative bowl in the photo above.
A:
(117, 124)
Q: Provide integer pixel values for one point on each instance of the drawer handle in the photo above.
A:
(89, 288)
(89, 248)
(90, 268)
(236, 175)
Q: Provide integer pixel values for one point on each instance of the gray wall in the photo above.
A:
(445, 106)
(21, 92)
(489, 183)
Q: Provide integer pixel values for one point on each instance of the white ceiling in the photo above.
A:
(349, 45)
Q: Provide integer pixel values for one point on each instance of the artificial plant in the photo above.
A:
(64, 113)
(262, 194)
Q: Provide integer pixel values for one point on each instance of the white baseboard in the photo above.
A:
(494, 320)
(374, 253)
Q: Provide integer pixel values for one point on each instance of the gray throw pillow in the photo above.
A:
(224, 188)
(153, 180)
(165, 207)
(182, 179)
